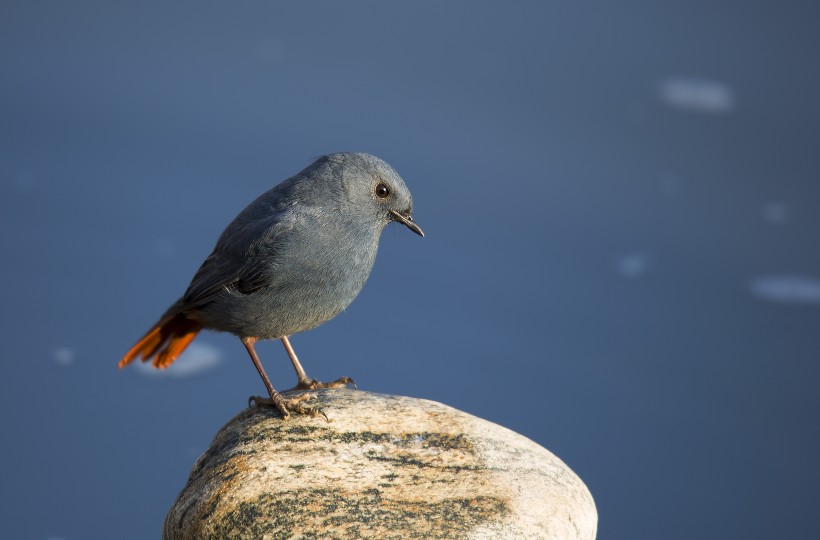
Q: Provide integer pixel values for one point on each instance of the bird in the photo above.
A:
(293, 259)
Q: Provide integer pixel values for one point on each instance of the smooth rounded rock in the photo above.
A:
(383, 467)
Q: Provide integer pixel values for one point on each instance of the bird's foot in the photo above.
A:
(312, 384)
(288, 405)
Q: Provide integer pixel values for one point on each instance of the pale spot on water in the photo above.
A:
(198, 358)
(787, 289)
(696, 95)
(63, 356)
(775, 213)
(633, 266)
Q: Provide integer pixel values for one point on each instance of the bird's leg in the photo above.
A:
(305, 382)
(285, 406)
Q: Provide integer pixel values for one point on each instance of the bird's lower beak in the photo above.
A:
(407, 220)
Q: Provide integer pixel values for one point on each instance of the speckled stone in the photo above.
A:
(384, 467)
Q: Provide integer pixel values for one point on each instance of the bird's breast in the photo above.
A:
(312, 278)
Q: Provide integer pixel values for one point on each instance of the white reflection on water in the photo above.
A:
(697, 95)
(633, 266)
(787, 289)
(775, 212)
(64, 356)
(198, 358)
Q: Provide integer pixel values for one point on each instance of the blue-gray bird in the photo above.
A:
(293, 259)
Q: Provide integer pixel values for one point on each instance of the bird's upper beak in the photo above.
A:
(407, 220)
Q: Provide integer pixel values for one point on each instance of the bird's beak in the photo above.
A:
(407, 220)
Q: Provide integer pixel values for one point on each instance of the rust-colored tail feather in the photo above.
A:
(164, 342)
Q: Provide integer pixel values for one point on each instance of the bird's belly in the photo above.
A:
(314, 296)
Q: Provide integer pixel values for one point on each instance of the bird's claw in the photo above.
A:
(288, 405)
(313, 384)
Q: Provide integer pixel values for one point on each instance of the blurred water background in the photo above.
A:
(621, 204)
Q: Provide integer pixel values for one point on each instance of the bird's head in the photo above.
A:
(373, 189)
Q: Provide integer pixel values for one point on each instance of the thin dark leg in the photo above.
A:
(305, 382)
(300, 372)
(249, 342)
(285, 406)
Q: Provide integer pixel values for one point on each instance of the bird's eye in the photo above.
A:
(381, 190)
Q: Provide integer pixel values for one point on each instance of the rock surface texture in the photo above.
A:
(384, 467)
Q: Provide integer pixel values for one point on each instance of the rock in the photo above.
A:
(384, 467)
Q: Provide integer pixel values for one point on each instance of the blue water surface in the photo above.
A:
(622, 208)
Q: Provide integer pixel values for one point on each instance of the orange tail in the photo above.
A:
(164, 342)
